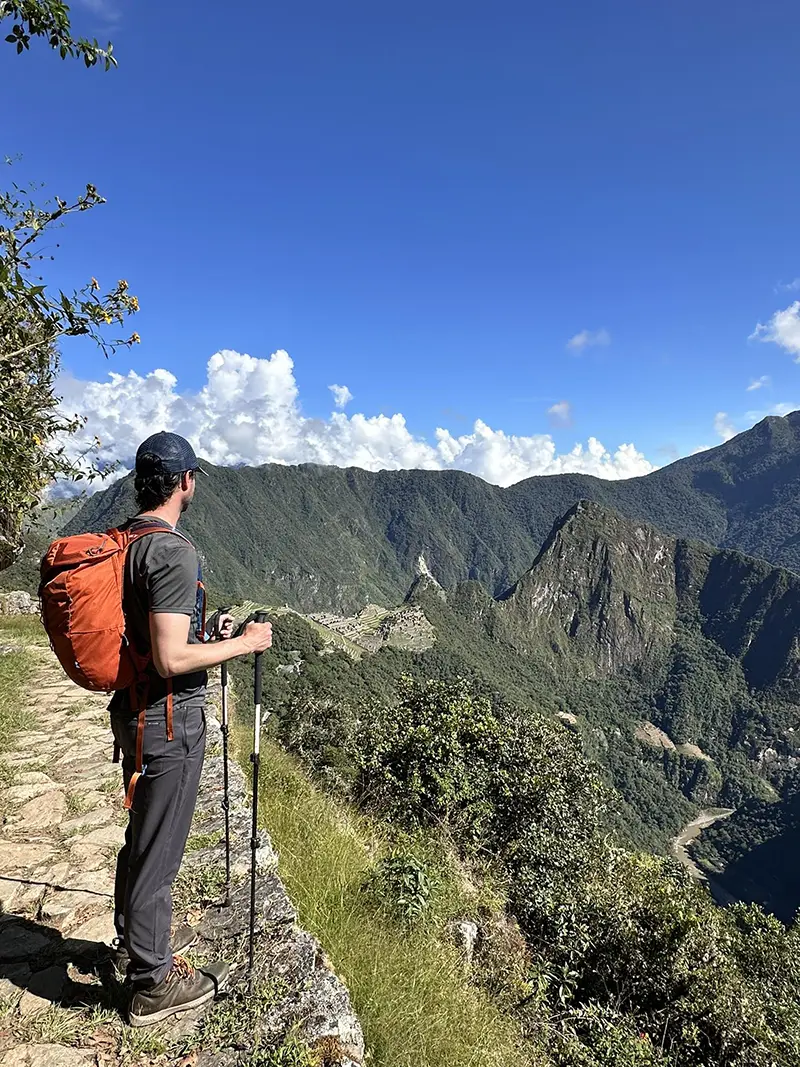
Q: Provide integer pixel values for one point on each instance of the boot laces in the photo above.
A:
(181, 969)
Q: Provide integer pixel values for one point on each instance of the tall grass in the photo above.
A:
(409, 988)
(15, 671)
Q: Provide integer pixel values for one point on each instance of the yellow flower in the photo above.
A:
(134, 303)
(95, 283)
(135, 339)
(107, 317)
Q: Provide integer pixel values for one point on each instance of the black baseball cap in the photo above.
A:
(166, 453)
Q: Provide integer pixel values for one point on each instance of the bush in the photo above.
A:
(402, 883)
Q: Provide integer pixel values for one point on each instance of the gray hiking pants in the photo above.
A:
(158, 826)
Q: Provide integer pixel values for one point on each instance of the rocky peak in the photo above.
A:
(424, 582)
(602, 585)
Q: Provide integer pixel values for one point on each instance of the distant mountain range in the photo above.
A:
(326, 538)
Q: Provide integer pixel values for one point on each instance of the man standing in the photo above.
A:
(160, 730)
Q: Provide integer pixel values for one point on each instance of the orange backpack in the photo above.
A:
(82, 581)
(82, 584)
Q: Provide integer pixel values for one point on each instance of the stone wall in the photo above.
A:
(316, 1005)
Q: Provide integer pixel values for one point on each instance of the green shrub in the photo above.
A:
(402, 883)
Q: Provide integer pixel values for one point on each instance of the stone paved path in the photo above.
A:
(62, 824)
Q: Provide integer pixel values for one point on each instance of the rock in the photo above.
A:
(18, 603)
(56, 876)
(18, 941)
(30, 1004)
(47, 1056)
(34, 778)
(19, 855)
(91, 798)
(8, 990)
(98, 882)
(8, 895)
(63, 906)
(108, 836)
(465, 935)
(45, 810)
(48, 983)
(100, 928)
(20, 794)
(88, 857)
(20, 759)
(98, 817)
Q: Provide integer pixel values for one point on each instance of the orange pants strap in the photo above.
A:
(137, 774)
(169, 709)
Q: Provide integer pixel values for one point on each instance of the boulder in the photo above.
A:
(18, 603)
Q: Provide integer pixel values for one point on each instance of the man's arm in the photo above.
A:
(172, 653)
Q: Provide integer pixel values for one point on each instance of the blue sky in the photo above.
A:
(426, 203)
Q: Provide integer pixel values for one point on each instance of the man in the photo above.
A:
(163, 599)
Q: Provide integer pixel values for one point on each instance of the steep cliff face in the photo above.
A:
(603, 586)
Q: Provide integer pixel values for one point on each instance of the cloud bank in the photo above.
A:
(248, 412)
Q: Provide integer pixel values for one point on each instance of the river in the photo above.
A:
(692, 830)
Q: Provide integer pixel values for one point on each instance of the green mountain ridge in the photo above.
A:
(327, 538)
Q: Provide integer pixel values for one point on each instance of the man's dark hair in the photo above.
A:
(153, 490)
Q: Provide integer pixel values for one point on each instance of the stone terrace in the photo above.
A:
(62, 823)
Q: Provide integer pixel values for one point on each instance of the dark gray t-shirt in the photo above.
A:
(161, 575)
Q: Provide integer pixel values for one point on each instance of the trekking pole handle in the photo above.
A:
(220, 613)
(261, 616)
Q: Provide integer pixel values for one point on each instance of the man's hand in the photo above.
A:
(257, 636)
(224, 627)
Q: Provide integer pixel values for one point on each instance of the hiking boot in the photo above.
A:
(181, 938)
(182, 989)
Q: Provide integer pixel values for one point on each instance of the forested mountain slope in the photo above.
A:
(325, 537)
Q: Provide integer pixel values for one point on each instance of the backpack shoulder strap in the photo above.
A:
(150, 528)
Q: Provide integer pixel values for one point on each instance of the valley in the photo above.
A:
(673, 663)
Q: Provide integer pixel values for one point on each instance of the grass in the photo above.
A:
(76, 804)
(27, 627)
(15, 671)
(198, 887)
(233, 1020)
(199, 841)
(417, 1006)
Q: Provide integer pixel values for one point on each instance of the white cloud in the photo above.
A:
(723, 426)
(788, 287)
(341, 395)
(106, 14)
(560, 413)
(782, 329)
(753, 417)
(248, 413)
(589, 339)
(758, 383)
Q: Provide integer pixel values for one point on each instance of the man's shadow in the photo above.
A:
(36, 958)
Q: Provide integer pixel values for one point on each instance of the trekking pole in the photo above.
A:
(225, 794)
(261, 616)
